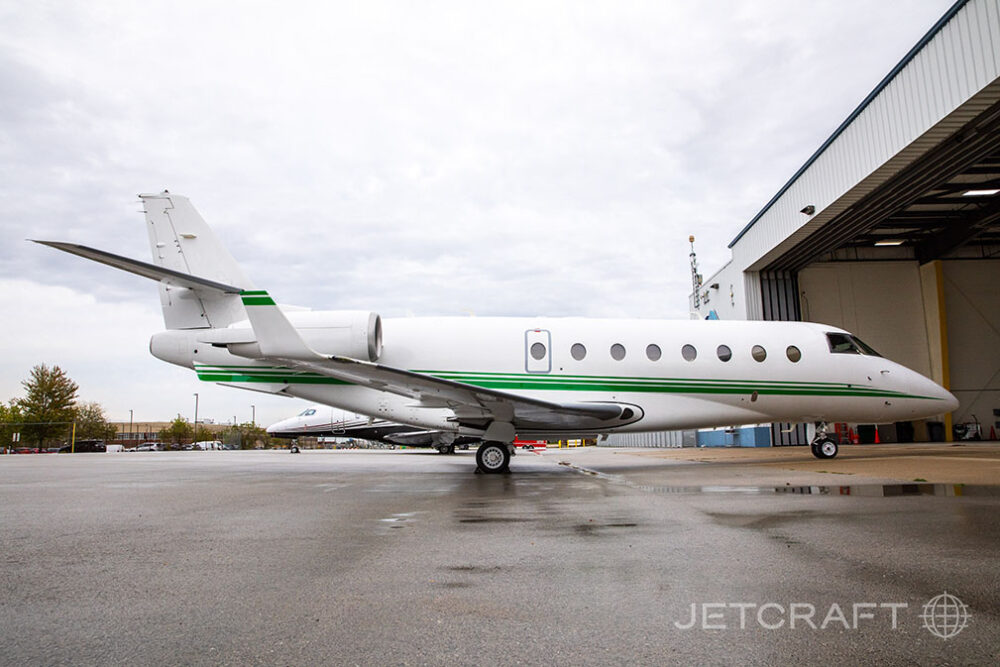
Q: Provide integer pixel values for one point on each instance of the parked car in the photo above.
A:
(84, 446)
(149, 447)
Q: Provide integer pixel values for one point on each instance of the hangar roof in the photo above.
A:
(901, 167)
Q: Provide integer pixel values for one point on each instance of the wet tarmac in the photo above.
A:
(409, 558)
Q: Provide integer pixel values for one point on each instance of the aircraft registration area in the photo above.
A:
(860, 304)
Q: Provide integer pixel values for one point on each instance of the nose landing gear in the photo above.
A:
(822, 445)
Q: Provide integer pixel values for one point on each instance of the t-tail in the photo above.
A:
(200, 282)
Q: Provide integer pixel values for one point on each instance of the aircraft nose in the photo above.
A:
(950, 402)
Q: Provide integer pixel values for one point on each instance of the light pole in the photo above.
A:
(253, 416)
(129, 424)
(196, 417)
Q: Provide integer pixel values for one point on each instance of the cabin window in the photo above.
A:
(847, 344)
(689, 353)
(537, 351)
(653, 352)
(617, 351)
(793, 353)
(758, 353)
(307, 412)
(578, 351)
(725, 354)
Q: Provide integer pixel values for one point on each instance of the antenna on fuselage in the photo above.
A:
(695, 276)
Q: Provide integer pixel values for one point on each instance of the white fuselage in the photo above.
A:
(670, 392)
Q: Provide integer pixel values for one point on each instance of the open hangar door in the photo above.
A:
(913, 268)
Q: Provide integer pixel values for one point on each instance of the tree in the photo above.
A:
(202, 434)
(50, 402)
(91, 423)
(10, 422)
(178, 430)
(246, 436)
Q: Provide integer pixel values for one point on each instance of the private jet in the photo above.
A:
(494, 379)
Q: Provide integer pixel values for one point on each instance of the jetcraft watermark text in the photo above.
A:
(795, 615)
(944, 616)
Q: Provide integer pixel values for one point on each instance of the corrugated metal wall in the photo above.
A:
(895, 127)
(657, 439)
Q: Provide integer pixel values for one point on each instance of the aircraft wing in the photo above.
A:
(476, 407)
(469, 402)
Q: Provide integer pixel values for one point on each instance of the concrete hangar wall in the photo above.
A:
(891, 230)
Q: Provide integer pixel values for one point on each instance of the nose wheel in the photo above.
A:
(824, 448)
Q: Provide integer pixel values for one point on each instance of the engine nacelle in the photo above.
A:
(348, 333)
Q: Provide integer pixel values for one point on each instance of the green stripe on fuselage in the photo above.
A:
(533, 382)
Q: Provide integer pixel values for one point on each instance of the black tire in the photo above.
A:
(295, 449)
(493, 457)
(815, 450)
(442, 449)
(827, 448)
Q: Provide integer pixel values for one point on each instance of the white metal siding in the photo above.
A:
(958, 63)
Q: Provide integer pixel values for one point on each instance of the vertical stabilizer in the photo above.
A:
(181, 241)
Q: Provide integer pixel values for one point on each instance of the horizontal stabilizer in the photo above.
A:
(169, 276)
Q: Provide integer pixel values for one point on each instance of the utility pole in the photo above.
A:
(129, 424)
(695, 276)
(195, 417)
(253, 416)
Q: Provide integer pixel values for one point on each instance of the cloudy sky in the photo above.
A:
(411, 158)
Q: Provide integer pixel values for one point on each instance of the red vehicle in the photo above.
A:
(531, 444)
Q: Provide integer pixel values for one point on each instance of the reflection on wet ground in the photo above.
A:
(861, 490)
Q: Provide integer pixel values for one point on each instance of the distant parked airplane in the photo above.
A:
(322, 421)
(495, 379)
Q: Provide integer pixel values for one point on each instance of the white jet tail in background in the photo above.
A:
(182, 242)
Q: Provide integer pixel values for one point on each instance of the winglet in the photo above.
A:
(276, 336)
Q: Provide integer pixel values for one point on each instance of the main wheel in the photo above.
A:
(826, 449)
(814, 448)
(493, 457)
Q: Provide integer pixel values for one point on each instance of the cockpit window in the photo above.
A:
(307, 412)
(847, 344)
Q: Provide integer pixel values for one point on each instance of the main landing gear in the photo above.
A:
(494, 457)
(822, 445)
(446, 449)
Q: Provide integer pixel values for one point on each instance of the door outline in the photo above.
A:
(532, 365)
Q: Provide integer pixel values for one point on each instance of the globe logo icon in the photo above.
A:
(945, 615)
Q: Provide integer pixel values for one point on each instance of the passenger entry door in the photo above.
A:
(537, 351)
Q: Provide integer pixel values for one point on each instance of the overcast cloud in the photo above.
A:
(405, 157)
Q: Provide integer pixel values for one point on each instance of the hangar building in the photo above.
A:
(891, 229)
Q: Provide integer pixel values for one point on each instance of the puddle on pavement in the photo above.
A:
(860, 490)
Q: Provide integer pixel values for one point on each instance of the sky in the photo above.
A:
(410, 158)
